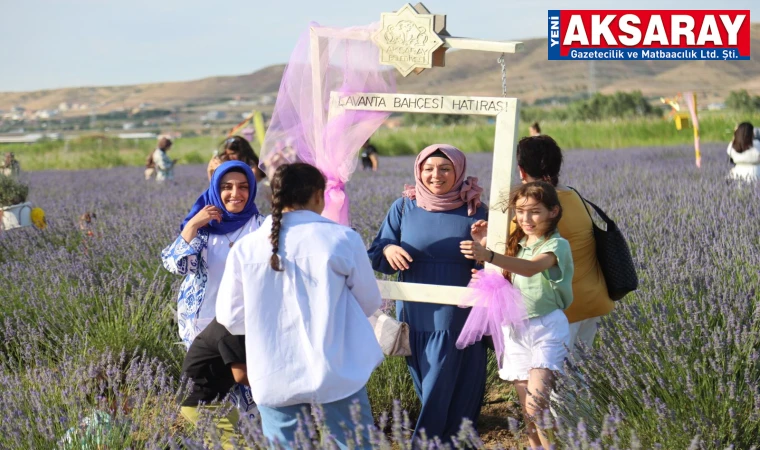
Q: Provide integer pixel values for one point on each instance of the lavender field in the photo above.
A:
(86, 322)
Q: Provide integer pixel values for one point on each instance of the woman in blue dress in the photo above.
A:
(420, 239)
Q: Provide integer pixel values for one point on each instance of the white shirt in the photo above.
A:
(164, 165)
(747, 162)
(216, 257)
(307, 336)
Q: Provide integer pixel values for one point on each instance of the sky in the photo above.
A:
(47, 44)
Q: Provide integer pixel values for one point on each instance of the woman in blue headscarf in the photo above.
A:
(220, 217)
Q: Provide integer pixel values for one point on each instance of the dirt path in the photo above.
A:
(493, 424)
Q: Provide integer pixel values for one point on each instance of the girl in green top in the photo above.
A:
(540, 265)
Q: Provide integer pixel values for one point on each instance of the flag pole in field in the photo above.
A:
(691, 102)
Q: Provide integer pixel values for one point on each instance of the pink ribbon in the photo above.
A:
(496, 304)
(336, 202)
(301, 118)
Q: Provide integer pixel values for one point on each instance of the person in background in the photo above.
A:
(236, 148)
(744, 152)
(164, 166)
(150, 167)
(214, 363)
(10, 166)
(283, 152)
(539, 158)
(369, 157)
(303, 307)
(535, 129)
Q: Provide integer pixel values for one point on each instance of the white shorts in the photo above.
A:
(543, 345)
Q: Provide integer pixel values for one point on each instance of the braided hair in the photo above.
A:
(293, 185)
(540, 157)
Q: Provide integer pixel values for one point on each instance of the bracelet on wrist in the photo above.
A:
(490, 260)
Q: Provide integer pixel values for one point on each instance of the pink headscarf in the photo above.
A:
(464, 190)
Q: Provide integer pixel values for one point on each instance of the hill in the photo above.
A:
(530, 77)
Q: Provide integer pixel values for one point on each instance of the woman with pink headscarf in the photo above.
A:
(419, 239)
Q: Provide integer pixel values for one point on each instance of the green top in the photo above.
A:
(553, 288)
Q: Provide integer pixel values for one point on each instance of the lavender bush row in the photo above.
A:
(675, 366)
(678, 361)
(51, 407)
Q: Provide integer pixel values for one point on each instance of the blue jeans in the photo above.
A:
(281, 423)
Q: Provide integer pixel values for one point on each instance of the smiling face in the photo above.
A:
(438, 175)
(533, 216)
(234, 191)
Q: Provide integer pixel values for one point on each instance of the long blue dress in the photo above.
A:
(449, 382)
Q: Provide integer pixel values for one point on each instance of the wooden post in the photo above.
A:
(316, 88)
(503, 174)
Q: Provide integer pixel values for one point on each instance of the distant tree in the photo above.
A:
(742, 101)
(597, 107)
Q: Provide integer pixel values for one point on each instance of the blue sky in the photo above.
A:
(62, 43)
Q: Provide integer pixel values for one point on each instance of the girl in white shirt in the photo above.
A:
(744, 151)
(303, 308)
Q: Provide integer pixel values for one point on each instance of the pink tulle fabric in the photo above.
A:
(465, 190)
(300, 129)
(495, 304)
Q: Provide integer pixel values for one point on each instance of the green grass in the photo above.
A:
(104, 152)
(609, 134)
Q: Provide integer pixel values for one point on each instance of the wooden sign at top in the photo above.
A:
(412, 40)
(407, 39)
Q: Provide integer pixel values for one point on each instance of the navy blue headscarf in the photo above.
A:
(230, 221)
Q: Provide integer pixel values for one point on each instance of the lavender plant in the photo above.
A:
(107, 401)
(675, 366)
(12, 191)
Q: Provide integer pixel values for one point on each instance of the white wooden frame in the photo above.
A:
(505, 110)
(315, 33)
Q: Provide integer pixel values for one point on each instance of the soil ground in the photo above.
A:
(493, 424)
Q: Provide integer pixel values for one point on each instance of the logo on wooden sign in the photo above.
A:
(407, 39)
